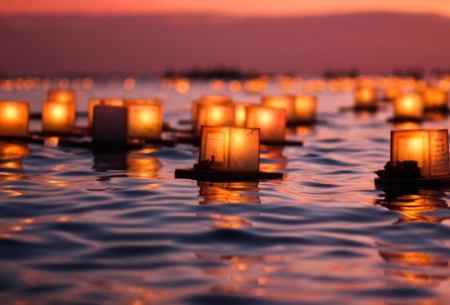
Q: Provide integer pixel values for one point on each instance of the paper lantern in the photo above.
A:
(214, 115)
(429, 148)
(233, 148)
(110, 124)
(58, 117)
(240, 113)
(286, 102)
(305, 109)
(145, 119)
(62, 96)
(208, 99)
(366, 98)
(408, 106)
(106, 102)
(435, 99)
(14, 119)
(270, 121)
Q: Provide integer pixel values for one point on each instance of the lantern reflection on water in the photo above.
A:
(14, 119)
(230, 192)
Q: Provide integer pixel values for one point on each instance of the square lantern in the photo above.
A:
(233, 148)
(429, 148)
(106, 102)
(305, 109)
(62, 96)
(145, 119)
(14, 119)
(213, 115)
(58, 117)
(208, 99)
(409, 106)
(435, 99)
(240, 113)
(365, 98)
(286, 102)
(270, 121)
(110, 124)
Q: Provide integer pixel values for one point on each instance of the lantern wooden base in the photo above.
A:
(224, 176)
(437, 182)
(306, 123)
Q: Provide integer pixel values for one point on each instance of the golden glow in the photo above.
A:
(435, 98)
(305, 108)
(214, 115)
(256, 85)
(231, 192)
(235, 86)
(240, 114)
(58, 117)
(14, 118)
(182, 85)
(286, 102)
(409, 106)
(365, 98)
(145, 119)
(129, 84)
(217, 85)
(270, 121)
(61, 96)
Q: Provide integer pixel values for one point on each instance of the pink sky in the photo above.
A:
(235, 7)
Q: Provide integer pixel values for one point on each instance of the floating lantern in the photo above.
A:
(106, 102)
(213, 115)
(366, 98)
(110, 124)
(61, 96)
(286, 102)
(435, 99)
(14, 119)
(209, 99)
(429, 148)
(408, 107)
(270, 121)
(233, 148)
(305, 109)
(58, 117)
(145, 119)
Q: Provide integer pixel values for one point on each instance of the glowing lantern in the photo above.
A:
(305, 109)
(58, 117)
(270, 121)
(408, 107)
(233, 148)
(286, 102)
(61, 96)
(144, 119)
(214, 115)
(14, 119)
(209, 99)
(429, 148)
(366, 98)
(110, 124)
(105, 102)
(240, 113)
(435, 99)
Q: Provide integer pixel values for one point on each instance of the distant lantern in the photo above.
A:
(214, 115)
(109, 124)
(286, 102)
(366, 98)
(231, 148)
(409, 106)
(429, 148)
(145, 119)
(305, 109)
(435, 99)
(209, 99)
(58, 117)
(62, 96)
(14, 119)
(270, 121)
(105, 102)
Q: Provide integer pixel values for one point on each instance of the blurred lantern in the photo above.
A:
(305, 109)
(58, 117)
(232, 148)
(409, 106)
(109, 124)
(270, 121)
(145, 118)
(366, 98)
(435, 99)
(209, 99)
(213, 115)
(14, 119)
(240, 113)
(61, 96)
(286, 102)
(429, 148)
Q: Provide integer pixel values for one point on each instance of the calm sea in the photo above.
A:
(117, 228)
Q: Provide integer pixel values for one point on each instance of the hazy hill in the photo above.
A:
(371, 42)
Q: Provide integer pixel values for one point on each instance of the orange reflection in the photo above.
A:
(272, 158)
(230, 192)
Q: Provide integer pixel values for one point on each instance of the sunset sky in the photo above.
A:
(234, 7)
(150, 36)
